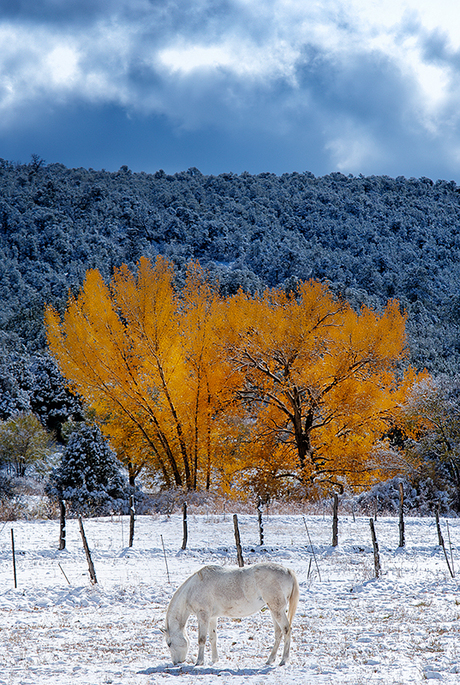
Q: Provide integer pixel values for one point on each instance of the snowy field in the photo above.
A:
(349, 628)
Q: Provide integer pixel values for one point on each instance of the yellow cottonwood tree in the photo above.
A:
(192, 385)
(320, 380)
(141, 355)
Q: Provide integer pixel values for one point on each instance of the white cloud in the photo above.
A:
(382, 16)
(62, 63)
(192, 57)
(240, 57)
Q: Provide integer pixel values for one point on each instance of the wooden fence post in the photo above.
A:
(438, 527)
(259, 518)
(335, 521)
(92, 572)
(402, 540)
(451, 552)
(132, 513)
(14, 560)
(239, 552)
(376, 550)
(441, 542)
(61, 524)
(184, 526)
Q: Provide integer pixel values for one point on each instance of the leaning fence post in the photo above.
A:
(312, 548)
(438, 527)
(441, 542)
(239, 552)
(451, 552)
(92, 572)
(402, 540)
(14, 560)
(376, 550)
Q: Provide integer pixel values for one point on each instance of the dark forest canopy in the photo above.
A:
(373, 238)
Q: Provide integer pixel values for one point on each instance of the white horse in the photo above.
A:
(214, 591)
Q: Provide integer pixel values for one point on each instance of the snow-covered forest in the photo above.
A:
(372, 238)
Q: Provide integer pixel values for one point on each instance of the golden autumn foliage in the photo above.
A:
(146, 361)
(321, 380)
(197, 387)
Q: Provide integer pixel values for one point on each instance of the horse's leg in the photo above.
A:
(282, 627)
(203, 624)
(277, 627)
(213, 639)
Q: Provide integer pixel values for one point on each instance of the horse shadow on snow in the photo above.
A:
(201, 670)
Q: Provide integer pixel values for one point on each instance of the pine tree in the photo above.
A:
(14, 385)
(89, 475)
(50, 399)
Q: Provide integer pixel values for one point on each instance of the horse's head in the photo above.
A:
(178, 645)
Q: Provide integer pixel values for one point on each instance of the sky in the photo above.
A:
(356, 86)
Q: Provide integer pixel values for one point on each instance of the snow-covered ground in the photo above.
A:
(349, 628)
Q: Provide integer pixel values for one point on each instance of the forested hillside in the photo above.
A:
(372, 238)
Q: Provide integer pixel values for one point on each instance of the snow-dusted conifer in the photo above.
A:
(89, 475)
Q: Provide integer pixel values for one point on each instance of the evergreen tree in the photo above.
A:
(50, 399)
(89, 475)
(14, 382)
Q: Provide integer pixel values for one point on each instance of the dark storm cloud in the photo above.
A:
(236, 83)
(51, 11)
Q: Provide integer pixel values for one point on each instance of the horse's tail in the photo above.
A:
(294, 598)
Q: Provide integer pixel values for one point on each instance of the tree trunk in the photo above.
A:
(196, 433)
(302, 428)
(131, 474)
(171, 459)
(179, 431)
(208, 445)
